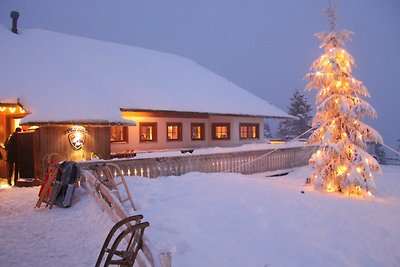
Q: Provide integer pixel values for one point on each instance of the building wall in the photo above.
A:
(54, 139)
(235, 134)
(186, 143)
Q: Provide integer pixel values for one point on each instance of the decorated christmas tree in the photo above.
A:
(299, 107)
(341, 162)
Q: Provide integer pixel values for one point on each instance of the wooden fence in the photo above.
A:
(245, 162)
(388, 161)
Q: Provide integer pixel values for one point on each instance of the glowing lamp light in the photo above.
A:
(341, 170)
(2, 109)
(12, 110)
(330, 188)
(5, 186)
(277, 142)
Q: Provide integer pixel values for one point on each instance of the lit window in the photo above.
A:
(148, 131)
(197, 131)
(249, 131)
(119, 134)
(221, 131)
(174, 131)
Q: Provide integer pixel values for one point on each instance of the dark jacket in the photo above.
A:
(11, 148)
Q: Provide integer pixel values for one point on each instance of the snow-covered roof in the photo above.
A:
(60, 77)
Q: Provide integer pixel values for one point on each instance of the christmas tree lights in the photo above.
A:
(341, 164)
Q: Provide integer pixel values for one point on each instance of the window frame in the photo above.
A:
(154, 133)
(214, 130)
(179, 125)
(248, 133)
(202, 126)
(125, 134)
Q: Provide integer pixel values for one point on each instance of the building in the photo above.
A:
(78, 97)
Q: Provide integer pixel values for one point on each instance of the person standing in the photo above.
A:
(12, 156)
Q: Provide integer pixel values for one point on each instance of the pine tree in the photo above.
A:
(341, 162)
(267, 130)
(289, 129)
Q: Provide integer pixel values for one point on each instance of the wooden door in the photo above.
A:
(26, 162)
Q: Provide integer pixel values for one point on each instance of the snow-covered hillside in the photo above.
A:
(216, 220)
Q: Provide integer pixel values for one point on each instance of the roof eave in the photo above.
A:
(205, 113)
(97, 123)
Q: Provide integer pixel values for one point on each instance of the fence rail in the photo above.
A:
(246, 162)
(388, 161)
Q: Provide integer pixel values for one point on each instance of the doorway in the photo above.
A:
(10, 117)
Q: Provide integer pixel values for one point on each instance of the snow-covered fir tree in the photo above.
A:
(299, 107)
(267, 130)
(341, 163)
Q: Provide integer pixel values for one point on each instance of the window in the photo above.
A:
(221, 131)
(174, 131)
(148, 131)
(197, 131)
(249, 130)
(119, 134)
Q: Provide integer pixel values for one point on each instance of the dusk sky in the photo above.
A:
(264, 46)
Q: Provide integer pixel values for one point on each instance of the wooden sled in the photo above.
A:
(118, 253)
(50, 164)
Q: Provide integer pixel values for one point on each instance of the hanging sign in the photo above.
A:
(77, 136)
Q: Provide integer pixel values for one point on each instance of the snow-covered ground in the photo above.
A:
(216, 220)
(43, 237)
